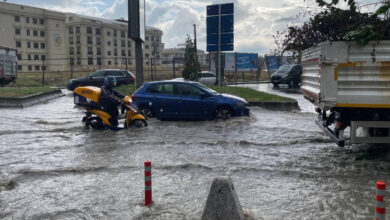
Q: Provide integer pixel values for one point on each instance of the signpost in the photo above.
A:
(136, 29)
(220, 31)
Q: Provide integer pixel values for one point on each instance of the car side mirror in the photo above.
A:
(203, 95)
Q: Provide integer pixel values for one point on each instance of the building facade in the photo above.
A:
(177, 54)
(55, 40)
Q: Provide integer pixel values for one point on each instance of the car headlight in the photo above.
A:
(241, 104)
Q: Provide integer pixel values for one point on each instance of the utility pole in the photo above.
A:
(196, 52)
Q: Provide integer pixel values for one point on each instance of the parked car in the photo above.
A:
(186, 100)
(287, 74)
(207, 78)
(97, 78)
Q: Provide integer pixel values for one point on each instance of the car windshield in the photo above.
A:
(207, 88)
(284, 69)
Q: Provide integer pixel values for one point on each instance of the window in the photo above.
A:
(19, 56)
(35, 21)
(36, 57)
(147, 38)
(17, 18)
(35, 33)
(89, 40)
(29, 67)
(108, 33)
(109, 53)
(43, 57)
(78, 51)
(70, 30)
(29, 57)
(98, 51)
(77, 39)
(28, 32)
(17, 31)
(166, 88)
(18, 44)
(129, 53)
(115, 33)
(99, 73)
(115, 61)
(98, 42)
(128, 44)
(71, 50)
(77, 30)
(90, 51)
(78, 60)
(124, 61)
(27, 20)
(20, 68)
(123, 53)
(109, 62)
(89, 31)
(152, 38)
(115, 52)
(41, 21)
(36, 45)
(42, 33)
(115, 73)
(146, 46)
(123, 33)
(187, 90)
(90, 60)
(99, 61)
(123, 43)
(36, 68)
(108, 43)
(71, 40)
(115, 43)
(98, 31)
(146, 55)
(43, 45)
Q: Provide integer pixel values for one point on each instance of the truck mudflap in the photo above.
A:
(337, 137)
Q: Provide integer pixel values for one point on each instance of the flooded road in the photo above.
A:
(281, 165)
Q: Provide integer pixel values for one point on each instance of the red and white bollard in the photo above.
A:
(380, 209)
(148, 183)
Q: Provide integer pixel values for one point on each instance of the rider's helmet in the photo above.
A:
(110, 81)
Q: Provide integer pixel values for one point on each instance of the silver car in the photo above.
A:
(207, 78)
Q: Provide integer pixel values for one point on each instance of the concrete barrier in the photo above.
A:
(222, 202)
(277, 105)
(30, 100)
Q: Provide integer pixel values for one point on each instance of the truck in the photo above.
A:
(8, 64)
(349, 85)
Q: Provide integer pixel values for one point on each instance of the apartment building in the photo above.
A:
(56, 40)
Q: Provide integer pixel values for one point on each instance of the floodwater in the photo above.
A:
(281, 165)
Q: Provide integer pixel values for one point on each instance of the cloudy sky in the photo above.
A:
(255, 20)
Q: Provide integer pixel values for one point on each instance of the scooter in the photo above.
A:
(96, 118)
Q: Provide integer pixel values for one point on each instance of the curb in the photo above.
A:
(30, 99)
(277, 105)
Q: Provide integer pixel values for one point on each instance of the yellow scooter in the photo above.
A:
(97, 118)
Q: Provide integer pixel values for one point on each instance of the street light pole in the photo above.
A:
(196, 52)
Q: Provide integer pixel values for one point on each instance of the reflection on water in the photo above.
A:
(281, 165)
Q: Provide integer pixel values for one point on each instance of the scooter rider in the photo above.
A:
(108, 100)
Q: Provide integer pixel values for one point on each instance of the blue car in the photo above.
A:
(186, 100)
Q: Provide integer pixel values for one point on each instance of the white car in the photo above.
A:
(207, 78)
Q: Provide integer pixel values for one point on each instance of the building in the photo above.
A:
(55, 40)
(177, 54)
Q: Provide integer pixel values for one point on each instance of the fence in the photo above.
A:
(57, 72)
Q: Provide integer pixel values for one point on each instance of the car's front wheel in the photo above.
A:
(224, 112)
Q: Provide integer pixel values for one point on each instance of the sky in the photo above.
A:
(256, 21)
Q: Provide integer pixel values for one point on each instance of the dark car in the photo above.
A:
(186, 100)
(287, 74)
(97, 78)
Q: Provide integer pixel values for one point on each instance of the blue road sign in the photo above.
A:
(220, 27)
(247, 61)
(227, 23)
(212, 10)
(227, 8)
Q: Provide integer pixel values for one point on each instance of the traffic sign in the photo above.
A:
(220, 27)
(227, 8)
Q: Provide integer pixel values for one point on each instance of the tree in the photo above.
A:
(334, 24)
(189, 61)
